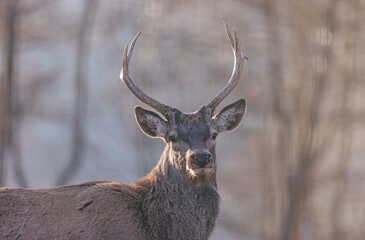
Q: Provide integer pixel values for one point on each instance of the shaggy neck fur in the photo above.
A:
(176, 205)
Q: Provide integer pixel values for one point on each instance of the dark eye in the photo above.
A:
(172, 139)
(214, 136)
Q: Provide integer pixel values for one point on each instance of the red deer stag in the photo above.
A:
(178, 199)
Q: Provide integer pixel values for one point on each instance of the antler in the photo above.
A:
(124, 75)
(239, 58)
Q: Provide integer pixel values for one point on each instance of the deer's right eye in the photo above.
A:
(214, 136)
(172, 139)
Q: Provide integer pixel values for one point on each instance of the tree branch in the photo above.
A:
(80, 103)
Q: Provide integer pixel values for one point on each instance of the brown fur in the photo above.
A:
(163, 205)
(178, 199)
(171, 202)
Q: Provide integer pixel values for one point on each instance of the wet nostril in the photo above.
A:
(201, 159)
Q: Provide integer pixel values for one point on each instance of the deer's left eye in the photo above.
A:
(173, 139)
(214, 136)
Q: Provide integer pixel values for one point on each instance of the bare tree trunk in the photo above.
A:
(9, 121)
(276, 71)
(350, 82)
(309, 151)
(80, 91)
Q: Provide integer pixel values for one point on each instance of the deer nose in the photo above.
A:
(201, 159)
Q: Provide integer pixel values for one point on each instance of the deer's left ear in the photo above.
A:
(150, 123)
(230, 117)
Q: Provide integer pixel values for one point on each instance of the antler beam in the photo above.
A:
(239, 58)
(124, 76)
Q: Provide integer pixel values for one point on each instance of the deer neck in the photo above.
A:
(172, 169)
(170, 174)
(175, 202)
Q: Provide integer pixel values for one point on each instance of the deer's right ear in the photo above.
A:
(150, 123)
(229, 118)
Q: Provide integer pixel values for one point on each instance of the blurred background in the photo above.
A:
(294, 169)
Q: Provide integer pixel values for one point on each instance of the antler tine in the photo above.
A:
(124, 76)
(229, 34)
(130, 50)
(239, 58)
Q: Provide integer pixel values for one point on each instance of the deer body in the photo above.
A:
(178, 199)
(153, 207)
(94, 210)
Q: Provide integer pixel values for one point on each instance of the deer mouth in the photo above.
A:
(198, 171)
(204, 170)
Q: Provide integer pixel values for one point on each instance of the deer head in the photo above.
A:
(190, 137)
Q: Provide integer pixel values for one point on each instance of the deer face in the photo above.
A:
(191, 137)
